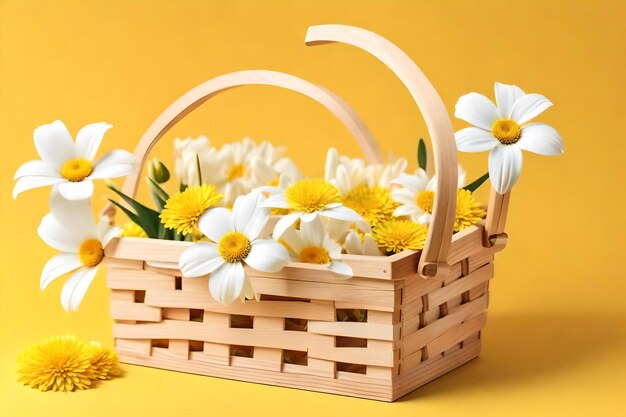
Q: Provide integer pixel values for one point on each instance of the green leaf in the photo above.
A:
(199, 170)
(147, 218)
(474, 186)
(182, 187)
(159, 196)
(421, 154)
(145, 225)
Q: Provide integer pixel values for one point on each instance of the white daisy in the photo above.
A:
(355, 245)
(417, 195)
(70, 228)
(70, 165)
(187, 152)
(237, 236)
(306, 199)
(311, 244)
(504, 131)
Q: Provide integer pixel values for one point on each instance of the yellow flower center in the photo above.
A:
(183, 210)
(312, 194)
(234, 247)
(77, 169)
(397, 235)
(314, 255)
(236, 171)
(91, 252)
(506, 131)
(373, 204)
(425, 200)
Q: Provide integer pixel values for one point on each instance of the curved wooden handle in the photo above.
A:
(198, 95)
(435, 252)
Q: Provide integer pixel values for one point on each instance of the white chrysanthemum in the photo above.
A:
(70, 228)
(311, 244)
(504, 131)
(187, 152)
(355, 245)
(237, 242)
(349, 173)
(417, 195)
(69, 165)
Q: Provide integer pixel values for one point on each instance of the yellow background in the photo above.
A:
(555, 342)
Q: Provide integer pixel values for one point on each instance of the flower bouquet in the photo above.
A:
(367, 279)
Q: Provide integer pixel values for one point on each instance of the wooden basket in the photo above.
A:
(424, 312)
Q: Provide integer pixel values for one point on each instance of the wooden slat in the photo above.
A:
(353, 329)
(480, 259)
(172, 329)
(138, 347)
(121, 310)
(466, 243)
(204, 301)
(361, 356)
(133, 279)
(112, 263)
(269, 358)
(457, 334)
(417, 340)
(458, 287)
(215, 352)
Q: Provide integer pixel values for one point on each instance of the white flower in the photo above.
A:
(306, 199)
(417, 195)
(311, 244)
(187, 152)
(237, 236)
(503, 131)
(356, 246)
(70, 165)
(348, 173)
(70, 228)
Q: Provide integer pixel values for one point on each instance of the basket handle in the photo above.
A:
(435, 253)
(203, 92)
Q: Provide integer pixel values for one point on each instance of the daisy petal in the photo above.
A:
(341, 213)
(313, 232)
(249, 217)
(370, 247)
(505, 165)
(528, 107)
(308, 217)
(284, 223)
(404, 210)
(405, 197)
(353, 243)
(76, 190)
(200, 259)
(474, 139)
(117, 163)
(476, 109)
(415, 183)
(247, 292)
(28, 183)
(216, 222)
(506, 95)
(276, 201)
(292, 238)
(60, 237)
(105, 231)
(542, 139)
(37, 168)
(267, 255)
(54, 143)
(58, 265)
(75, 288)
(341, 268)
(88, 139)
(227, 282)
(75, 215)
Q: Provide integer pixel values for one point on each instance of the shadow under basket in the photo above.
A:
(400, 322)
(378, 335)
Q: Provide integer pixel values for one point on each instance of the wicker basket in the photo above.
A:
(423, 311)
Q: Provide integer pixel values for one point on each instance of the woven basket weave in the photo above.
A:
(421, 313)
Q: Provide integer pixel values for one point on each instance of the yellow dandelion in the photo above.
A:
(59, 363)
(311, 195)
(396, 235)
(468, 210)
(103, 360)
(183, 210)
(132, 229)
(374, 204)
